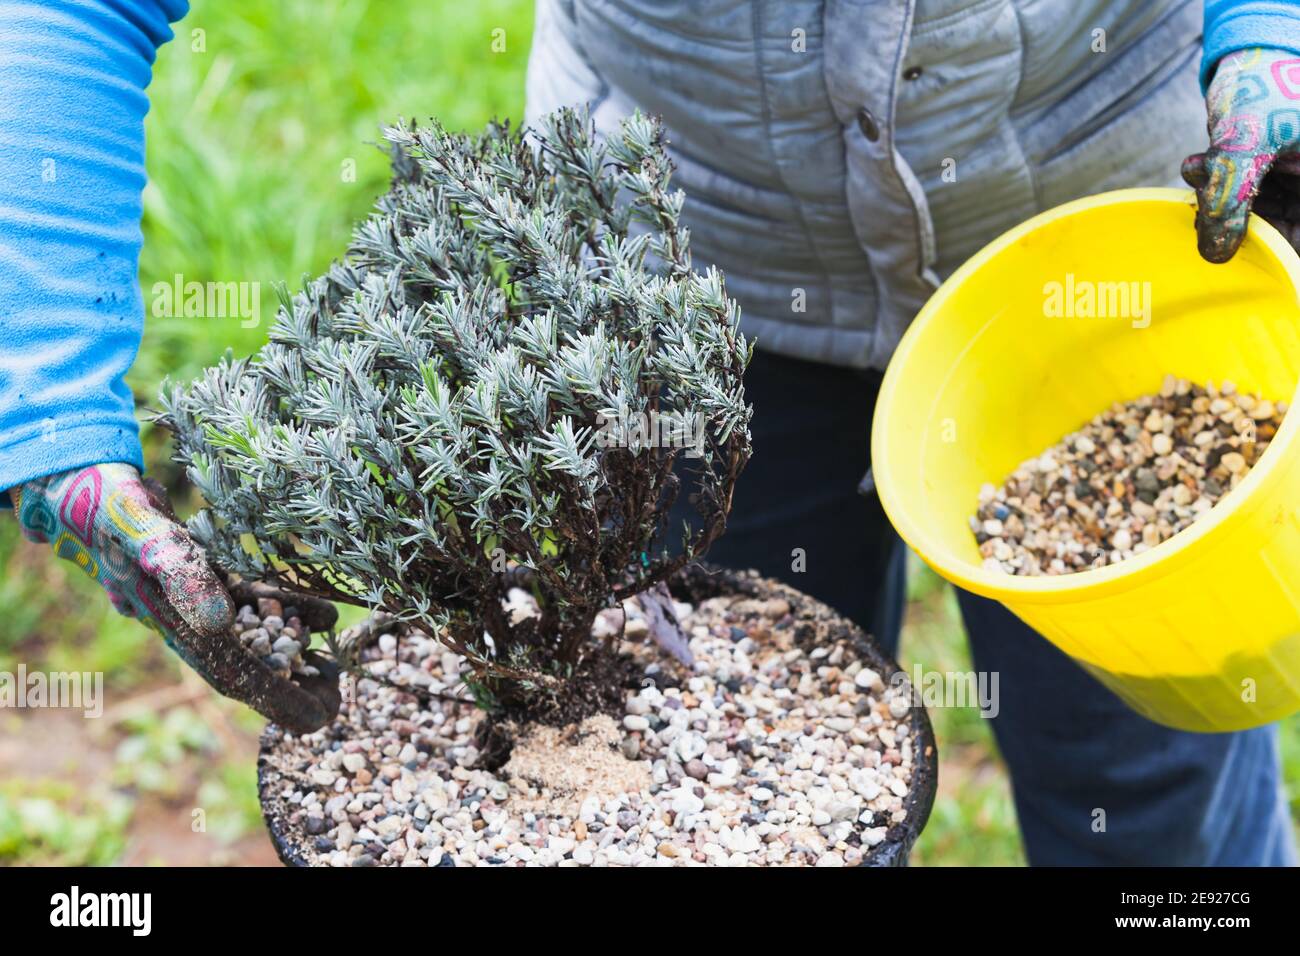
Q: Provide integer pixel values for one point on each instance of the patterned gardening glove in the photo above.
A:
(121, 531)
(1254, 157)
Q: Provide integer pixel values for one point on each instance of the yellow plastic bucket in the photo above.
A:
(1201, 632)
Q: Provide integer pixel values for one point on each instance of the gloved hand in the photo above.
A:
(1254, 157)
(121, 531)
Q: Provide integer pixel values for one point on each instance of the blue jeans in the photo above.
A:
(1094, 782)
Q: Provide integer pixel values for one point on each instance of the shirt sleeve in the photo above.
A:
(1232, 25)
(73, 75)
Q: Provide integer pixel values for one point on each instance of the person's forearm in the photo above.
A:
(1241, 24)
(72, 106)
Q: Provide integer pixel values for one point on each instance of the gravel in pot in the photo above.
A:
(789, 741)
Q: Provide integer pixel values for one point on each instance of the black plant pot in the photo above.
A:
(697, 584)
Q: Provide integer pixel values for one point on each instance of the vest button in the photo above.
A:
(912, 73)
(867, 123)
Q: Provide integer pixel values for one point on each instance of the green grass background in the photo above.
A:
(256, 109)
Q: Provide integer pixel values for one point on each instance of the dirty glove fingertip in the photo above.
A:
(1217, 240)
(1194, 171)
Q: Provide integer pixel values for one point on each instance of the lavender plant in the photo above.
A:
(421, 430)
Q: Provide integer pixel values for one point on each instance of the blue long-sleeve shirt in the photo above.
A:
(73, 75)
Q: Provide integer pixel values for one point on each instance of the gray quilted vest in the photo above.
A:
(841, 156)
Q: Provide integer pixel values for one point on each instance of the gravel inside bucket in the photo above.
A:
(758, 754)
(1134, 476)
